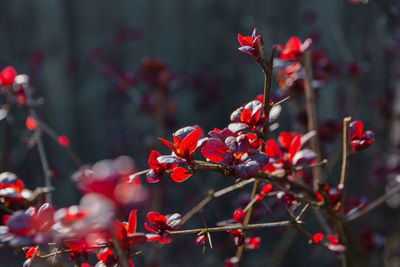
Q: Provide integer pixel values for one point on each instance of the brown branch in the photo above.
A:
(312, 119)
(345, 160)
(233, 227)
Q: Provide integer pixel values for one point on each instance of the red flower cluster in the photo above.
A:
(251, 44)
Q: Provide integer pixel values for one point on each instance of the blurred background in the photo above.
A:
(102, 68)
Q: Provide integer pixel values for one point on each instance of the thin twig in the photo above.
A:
(42, 152)
(233, 227)
(345, 160)
(213, 195)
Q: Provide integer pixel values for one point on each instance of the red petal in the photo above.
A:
(132, 222)
(189, 144)
(180, 174)
(285, 139)
(295, 146)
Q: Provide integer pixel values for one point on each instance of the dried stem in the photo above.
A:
(312, 119)
(267, 69)
(345, 160)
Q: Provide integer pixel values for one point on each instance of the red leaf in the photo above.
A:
(153, 162)
(356, 129)
(266, 189)
(285, 139)
(245, 116)
(272, 149)
(180, 174)
(213, 150)
(317, 238)
(189, 144)
(177, 141)
(132, 222)
(333, 239)
(295, 146)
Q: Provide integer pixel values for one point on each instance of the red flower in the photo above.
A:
(160, 224)
(294, 49)
(186, 143)
(289, 154)
(239, 216)
(157, 168)
(360, 140)
(7, 76)
(250, 45)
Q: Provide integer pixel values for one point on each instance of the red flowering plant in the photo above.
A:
(245, 150)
